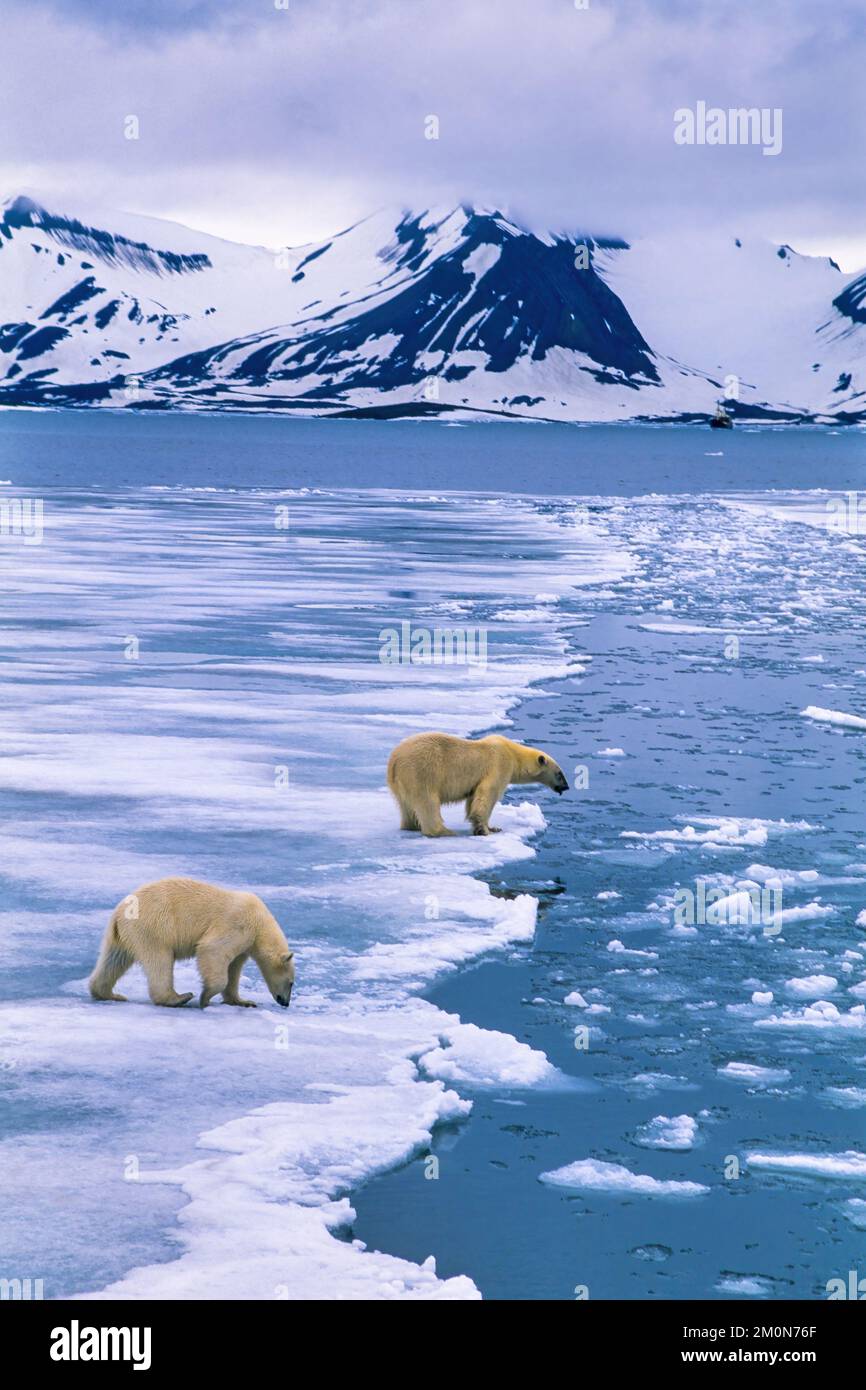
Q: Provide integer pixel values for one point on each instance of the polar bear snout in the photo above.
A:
(284, 1000)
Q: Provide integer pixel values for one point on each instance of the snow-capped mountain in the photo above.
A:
(444, 311)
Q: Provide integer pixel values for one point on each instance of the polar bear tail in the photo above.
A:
(113, 962)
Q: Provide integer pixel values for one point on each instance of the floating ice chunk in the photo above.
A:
(848, 1164)
(787, 878)
(668, 1132)
(619, 949)
(808, 912)
(723, 833)
(832, 716)
(483, 1057)
(649, 1081)
(859, 991)
(576, 999)
(736, 910)
(761, 996)
(855, 1210)
(822, 1015)
(607, 896)
(521, 615)
(683, 629)
(610, 753)
(811, 986)
(525, 817)
(848, 1097)
(593, 1175)
(745, 1285)
(753, 1074)
(654, 1254)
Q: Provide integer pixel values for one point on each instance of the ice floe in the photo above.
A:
(595, 1175)
(677, 1132)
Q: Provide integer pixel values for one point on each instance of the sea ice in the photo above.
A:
(594, 1175)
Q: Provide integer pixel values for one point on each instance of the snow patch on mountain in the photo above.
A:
(443, 311)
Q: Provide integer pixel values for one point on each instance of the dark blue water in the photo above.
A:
(704, 736)
(118, 448)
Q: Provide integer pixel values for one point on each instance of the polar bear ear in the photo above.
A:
(289, 957)
(542, 761)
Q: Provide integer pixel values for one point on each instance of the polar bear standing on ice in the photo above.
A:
(177, 918)
(427, 771)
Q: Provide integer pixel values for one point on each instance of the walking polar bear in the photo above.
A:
(427, 771)
(177, 918)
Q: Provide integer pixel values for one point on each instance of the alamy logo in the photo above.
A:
(77, 1343)
(21, 517)
(740, 125)
(440, 646)
(846, 514)
(23, 1289)
(852, 1288)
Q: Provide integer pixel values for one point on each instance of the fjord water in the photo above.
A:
(674, 1030)
(244, 741)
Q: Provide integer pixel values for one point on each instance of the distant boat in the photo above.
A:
(721, 420)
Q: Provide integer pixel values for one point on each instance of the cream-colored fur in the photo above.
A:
(177, 918)
(428, 771)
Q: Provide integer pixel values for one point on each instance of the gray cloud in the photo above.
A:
(283, 124)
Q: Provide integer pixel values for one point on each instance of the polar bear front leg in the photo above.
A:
(230, 993)
(480, 806)
(213, 966)
(219, 949)
(159, 969)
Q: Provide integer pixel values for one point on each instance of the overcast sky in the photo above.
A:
(282, 125)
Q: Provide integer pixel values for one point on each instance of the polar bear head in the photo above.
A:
(279, 973)
(550, 773)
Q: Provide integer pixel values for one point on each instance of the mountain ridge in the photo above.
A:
(421, 313)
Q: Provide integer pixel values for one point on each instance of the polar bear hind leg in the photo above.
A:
(158, 966)
(430, 817)
(113, 962)
(408, 819)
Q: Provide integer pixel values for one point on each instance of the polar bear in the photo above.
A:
(176, 918)
(427, 771)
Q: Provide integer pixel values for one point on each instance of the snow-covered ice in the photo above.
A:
(753, 1074)
(850, 1164)
(595, 1175)
(677, 1132)
(214, 704)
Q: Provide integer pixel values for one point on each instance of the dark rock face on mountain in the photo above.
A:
(417, 313)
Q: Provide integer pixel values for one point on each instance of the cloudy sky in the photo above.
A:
(280, 121)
